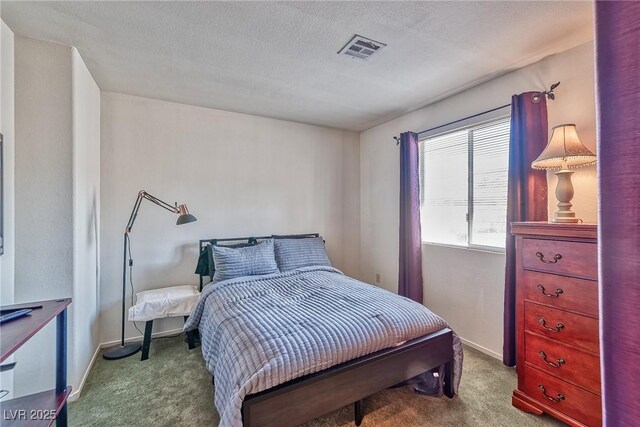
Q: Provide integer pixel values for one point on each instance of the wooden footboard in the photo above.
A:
(311, 396)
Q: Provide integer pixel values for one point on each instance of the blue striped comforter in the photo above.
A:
(261, 331)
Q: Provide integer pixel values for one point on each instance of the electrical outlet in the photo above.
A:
(377, 277)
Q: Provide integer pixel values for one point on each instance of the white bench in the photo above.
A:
(153, 304)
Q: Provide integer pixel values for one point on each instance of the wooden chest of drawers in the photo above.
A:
(558, 359)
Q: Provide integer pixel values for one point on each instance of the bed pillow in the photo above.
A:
(297, 253)
(205, 266)
(247, 261)
(211, 265)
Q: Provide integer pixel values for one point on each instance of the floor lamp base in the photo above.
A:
(121, 351)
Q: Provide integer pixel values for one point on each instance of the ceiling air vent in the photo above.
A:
(361, 48)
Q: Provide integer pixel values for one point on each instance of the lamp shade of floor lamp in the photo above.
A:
(122, 350)
(564, 152)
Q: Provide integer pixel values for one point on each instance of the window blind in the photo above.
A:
(445, 188)
(464, 185)
(489, 196)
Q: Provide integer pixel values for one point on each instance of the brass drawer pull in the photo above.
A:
(556, 399)
(557, 292)
(557, 329)
(556, 258)
(557, 364)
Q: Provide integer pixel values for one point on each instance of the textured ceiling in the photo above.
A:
(278, 59)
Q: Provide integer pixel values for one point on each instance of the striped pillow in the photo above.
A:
(297, 253)
(212, 264)
(246, 261)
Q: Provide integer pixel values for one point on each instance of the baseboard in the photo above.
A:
(139, 337)
(481, 349)
(75, 394)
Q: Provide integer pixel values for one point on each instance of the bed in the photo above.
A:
(287, 347)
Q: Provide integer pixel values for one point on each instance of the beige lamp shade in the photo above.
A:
(564, 150)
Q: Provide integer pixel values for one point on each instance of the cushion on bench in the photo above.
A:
(164, 302)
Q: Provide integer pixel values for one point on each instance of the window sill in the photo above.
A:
(485, 249)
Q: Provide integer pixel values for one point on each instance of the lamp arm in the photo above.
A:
(161, 203)
(144, 195)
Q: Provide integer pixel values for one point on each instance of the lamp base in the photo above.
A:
(566, 220)
(121, 351)
(564, 194)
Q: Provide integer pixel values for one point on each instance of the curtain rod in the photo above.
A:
(535, 97)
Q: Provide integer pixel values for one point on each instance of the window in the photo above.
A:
(463, 180)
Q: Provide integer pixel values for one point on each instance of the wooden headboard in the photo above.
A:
(247, 240)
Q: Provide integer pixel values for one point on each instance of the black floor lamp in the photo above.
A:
(125, 350)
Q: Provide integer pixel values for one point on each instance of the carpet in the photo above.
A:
(173, 388)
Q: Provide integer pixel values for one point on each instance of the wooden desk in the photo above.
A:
(39, 409)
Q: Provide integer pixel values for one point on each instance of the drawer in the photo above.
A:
(572, 258)
(577, 403)
(567, 363)
(561, 291)
(569, 328)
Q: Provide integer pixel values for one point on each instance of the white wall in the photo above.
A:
(8, 183)
(43, 226)
(240, 175)
(57, 171)
(463, 286)
(8, 159)
(86, 218)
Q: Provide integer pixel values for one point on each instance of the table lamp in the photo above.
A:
(564, 151)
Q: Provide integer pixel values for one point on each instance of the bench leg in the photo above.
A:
(146, 343)
(359, 411)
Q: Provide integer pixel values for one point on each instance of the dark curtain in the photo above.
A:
(410, 269)
(527, 195)
(618, 115)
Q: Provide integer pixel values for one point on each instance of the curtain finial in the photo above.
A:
(535, 97)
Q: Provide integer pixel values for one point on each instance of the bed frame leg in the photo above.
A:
(448, 379)
(359, 411)
(191, 341)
